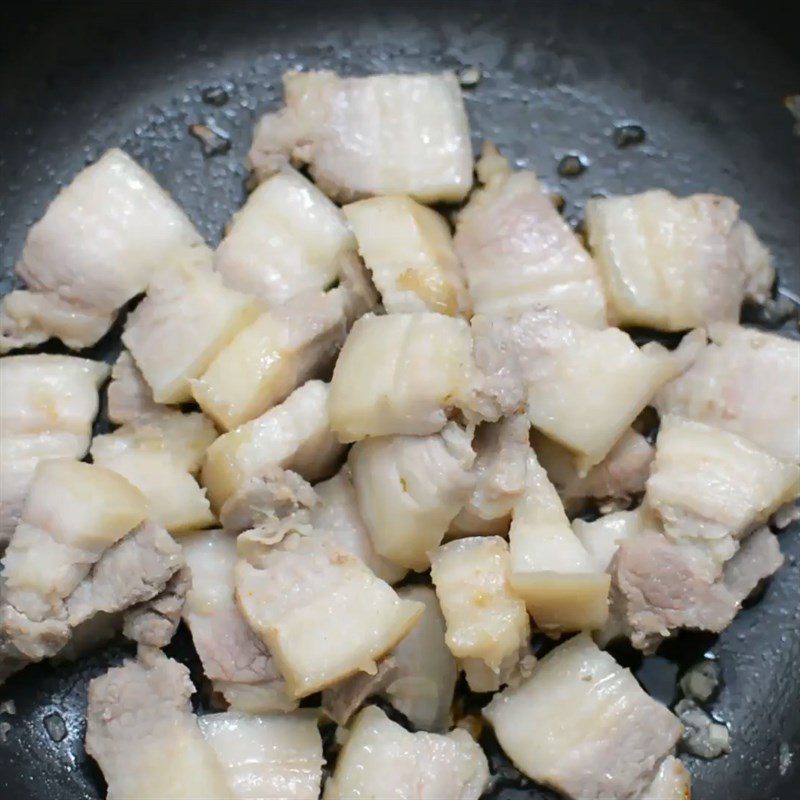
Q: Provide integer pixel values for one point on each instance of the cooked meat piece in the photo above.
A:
(710, 486)
(518, 252)
(501, 455)
(295, 435)
(621, 475)
(582, 725)
(267, 757)
(702, 735)
(269, 359)
(725, 388)
(409, 489)
(603, 536)
(486, 620)
(141, 731)
(551, 571)
(187, 318)
(672, 782)
(344, 699)
(47, 406)
(659, 586)
(383, 134)
(234, 659)
(153, 623)
(336, 515)
(296, 594)
(673, 263)
(399, 373)
(409, 251)
(97, 246)
(287, 239)
(129, 396)
(381, 758)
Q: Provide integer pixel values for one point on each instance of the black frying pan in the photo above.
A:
(706, 82)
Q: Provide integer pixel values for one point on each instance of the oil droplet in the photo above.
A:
(572, 165)
(628, 135)
(215, 95)
(55, 726)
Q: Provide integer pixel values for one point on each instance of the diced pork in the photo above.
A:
(129, 397)
(153, 623)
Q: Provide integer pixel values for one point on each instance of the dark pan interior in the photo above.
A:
(705, 81)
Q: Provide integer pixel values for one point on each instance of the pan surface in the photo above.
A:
(705, 83)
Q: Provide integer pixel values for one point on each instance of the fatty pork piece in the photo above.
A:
(47, 406)
(620, 476)
(710, 486)
(97, 246)
(660, 586)
(269, 359)
(129, 397)
(746, 382)
(267, 757)
(142, 733)
(551, 570)
(287, 239)
(518, 251)
(583, 387)
(487, 624)
(502, 450)
(336, 515)
(382, 134)
(582, 725)
(672, 782)
(399, 374)
(295, 594)
(295, 435)
(234, 659)
(409, 489)
(673, 263)
(153, 623)
(408, 249)
(603, 536)
(381, 758)
(187, 318)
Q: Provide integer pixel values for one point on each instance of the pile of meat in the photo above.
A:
(378, 397)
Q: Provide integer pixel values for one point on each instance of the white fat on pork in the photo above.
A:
(295, 594)
(295, 435)
(399, 374)
(518, 251)
(746, 382)
(269, 359)
(267, 757)
(382, 134)
(142, 733)
(187, 318)
(711, 486)
(487, 624)
(408, 249)
(603, 536)
(551, 570)
(47, 406)
(97, 246)
(234, 659)
(129, 397)
(287, 239)
(382, 759)
(409, 489)
(582, 725)
(672, 782)
(673, 263)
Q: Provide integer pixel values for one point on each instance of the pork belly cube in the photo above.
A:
(487, 623)
(234, 659)
(97, 246)
(603, 536)
(674, 263)
(551, 571)
(295, 435)
(518, 251)
(143, 735)
(672, 782)
(409, 252)
(296, 598)
(725, 388)
(380, 758)
(711, 486)
(582, 725)
(398, 374)
(287, 239)
(382, 134)
(267, 757)
(188, 316)
(270, 358)
(409, 489)
(129, 397)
